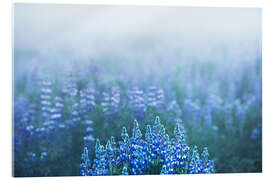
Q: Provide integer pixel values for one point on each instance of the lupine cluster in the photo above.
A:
(137, 101)
(202, 114)
(62, 115)
(32, 160)
(155, 97)
(45, 98)
(141, 102)
(115, 100)
(110, 102)
(70, 88)
(200, 164)
(57, 110)
(136, 155)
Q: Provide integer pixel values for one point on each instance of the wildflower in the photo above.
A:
(105, 104)
(85, 165)
(100, 166)
(109, 156)
(155, 97)
(195, 165)
(180, 124)
(136, 98)
(207, 165)
(87, 103)
(57, 110)
(115, 100)
(113, 143)
(88, 100)
(75, 115)
(136, 130)
(70, 87)
(148, 134)
(138, 155)
(123, 147)
(45, 97)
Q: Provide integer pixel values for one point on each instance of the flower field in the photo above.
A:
(120, 117)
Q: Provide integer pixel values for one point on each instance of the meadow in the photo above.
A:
(117, 116)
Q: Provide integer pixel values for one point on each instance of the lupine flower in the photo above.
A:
(169, 159)
(148, 134)
(138, 147)
(89, 95)
(179, 134)
(207, 165)
(57, 111)
(105, 104)
(45, 98)
(123, 147)
(87, 100)
(160, 98)
(85, 165)
(75, 114)
(115, 100)
(113, 143)
(151, 96)
(179, 122)
(136, 97)
(181, 149)
(138, 155)
(89, 138)
(70, 87)
(32, 112)
(87, 103)
(100, 165)
(195, 165)
(110, 156)
(155, 97)
(136, 130)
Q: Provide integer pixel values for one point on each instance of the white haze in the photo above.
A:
(62, 32)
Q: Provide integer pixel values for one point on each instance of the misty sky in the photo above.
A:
(92, 29)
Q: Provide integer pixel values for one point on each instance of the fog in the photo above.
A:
(88, 30)
(136, 39)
